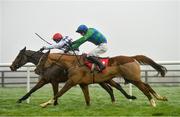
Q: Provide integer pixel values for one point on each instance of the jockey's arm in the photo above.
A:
(56, 46)
(80, 41)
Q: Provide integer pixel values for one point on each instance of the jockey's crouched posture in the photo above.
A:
(89, 34)
(62, 43)
(95, 37)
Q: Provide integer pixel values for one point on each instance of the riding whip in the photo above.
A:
(43, 39)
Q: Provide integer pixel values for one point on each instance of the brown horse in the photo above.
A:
(54, 76)
(127, 67)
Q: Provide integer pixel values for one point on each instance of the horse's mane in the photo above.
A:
(30, 52)
(33, 56)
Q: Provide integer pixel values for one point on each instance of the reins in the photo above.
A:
(75, 56)
(59, 58)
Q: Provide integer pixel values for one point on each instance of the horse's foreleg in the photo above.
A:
(85, 90)
(118, 86)
(157, 96)
(109, 90)
(55, 90)
(65, 88)
(41, 83)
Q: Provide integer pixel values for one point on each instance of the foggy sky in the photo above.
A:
(148, 27)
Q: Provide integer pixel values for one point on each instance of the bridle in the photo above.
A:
(28, 56)
(31, 56)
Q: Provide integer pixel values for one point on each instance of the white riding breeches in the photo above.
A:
(100, 49)
(72, 53)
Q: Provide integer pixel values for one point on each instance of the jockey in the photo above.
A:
(95, 37)
(62, 43)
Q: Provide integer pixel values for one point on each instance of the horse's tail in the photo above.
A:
(147, 61)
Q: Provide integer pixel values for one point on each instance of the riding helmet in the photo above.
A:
(57, 37)
(82, 29)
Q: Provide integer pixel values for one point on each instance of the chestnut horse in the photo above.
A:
(124, 66)
(55, 76)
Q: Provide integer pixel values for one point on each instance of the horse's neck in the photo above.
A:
(33, 58)
(69, 60)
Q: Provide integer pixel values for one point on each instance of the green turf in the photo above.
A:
(73, 104)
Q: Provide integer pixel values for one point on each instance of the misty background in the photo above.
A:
(148, 27)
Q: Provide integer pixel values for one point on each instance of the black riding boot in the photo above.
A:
(97, 62)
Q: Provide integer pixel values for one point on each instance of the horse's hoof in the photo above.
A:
(133, 97)
(55, 104)
(19, 101)
(153, 103)
(165, 99)
(43, 105)
(113, 102)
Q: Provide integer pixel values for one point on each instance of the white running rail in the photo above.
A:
(28, 66)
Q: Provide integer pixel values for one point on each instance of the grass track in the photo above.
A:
(73, 104)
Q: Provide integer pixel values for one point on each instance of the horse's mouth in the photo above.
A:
(13, 68)
(37, 71)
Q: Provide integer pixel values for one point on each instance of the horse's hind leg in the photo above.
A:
(118, 86)
(145, 90)
(157, 96)
(86, 93)
(109, 90)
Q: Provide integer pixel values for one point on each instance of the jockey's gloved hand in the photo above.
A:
(70, 43)
(66, 50)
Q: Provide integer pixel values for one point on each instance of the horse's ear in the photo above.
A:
(24, 49)
(48, 51)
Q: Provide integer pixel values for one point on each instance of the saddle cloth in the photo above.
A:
(92, 66)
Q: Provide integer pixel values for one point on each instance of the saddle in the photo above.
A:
(92, 66)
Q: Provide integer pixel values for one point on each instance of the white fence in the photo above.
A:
(3, 68)
(173, 68)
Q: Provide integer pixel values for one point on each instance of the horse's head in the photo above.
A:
(40, 68)
(19, 61)
(25, 56)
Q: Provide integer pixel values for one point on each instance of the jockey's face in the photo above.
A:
(57, 41)
(82, 33)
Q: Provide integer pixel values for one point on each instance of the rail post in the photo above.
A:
(130, 90)
(146, 76)
(28, 82)
(2, 79)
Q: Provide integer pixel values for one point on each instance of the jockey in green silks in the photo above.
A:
(94, 36)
